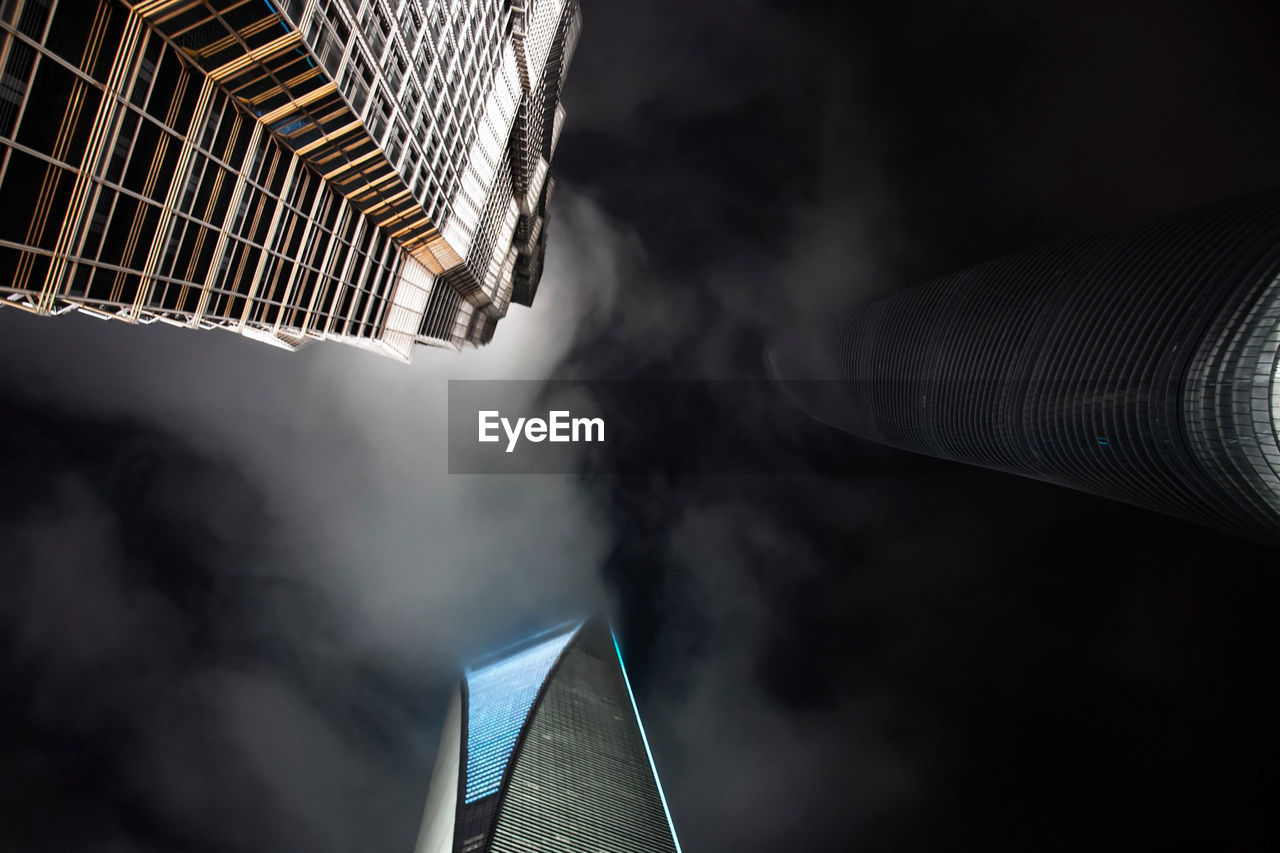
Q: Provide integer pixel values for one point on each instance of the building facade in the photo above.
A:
(543, 752)
(373, 172)
(1140, 365)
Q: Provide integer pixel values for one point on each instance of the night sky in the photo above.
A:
(239, 582)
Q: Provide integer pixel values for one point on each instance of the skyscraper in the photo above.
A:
(543, 750)
(367, 171)
(1140, 365)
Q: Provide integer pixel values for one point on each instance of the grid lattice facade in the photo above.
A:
(1140, 365)
(555, 758)
(293, 170)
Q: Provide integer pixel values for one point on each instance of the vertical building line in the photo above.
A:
(635, 709)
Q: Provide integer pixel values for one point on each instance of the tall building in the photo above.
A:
(1140, 365)
(366, 171)
(543, 752)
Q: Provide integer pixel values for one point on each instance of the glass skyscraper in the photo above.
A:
(373, 172)
(1140, 364)
(543, 752)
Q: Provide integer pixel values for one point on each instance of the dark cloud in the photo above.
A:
(168, 682)
(238, 581)
(954, 128)
(871, 650)
(896, 662)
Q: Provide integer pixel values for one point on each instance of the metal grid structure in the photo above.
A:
(297, 171)
(548, 755)
(1140, 365)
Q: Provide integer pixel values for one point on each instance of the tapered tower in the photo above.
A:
(543, 752)
(1140, 365)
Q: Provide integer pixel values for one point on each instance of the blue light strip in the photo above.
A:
(645, 738)
(499, 696)
(285, 27)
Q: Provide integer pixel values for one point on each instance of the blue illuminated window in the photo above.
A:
(499, 696)
(285, 128)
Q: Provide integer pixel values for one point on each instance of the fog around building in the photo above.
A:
(240, 581)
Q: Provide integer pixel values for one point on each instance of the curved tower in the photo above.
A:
(543, 751)
(1140, 365)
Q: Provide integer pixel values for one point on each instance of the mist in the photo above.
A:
(240, 582)
(243, 579)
